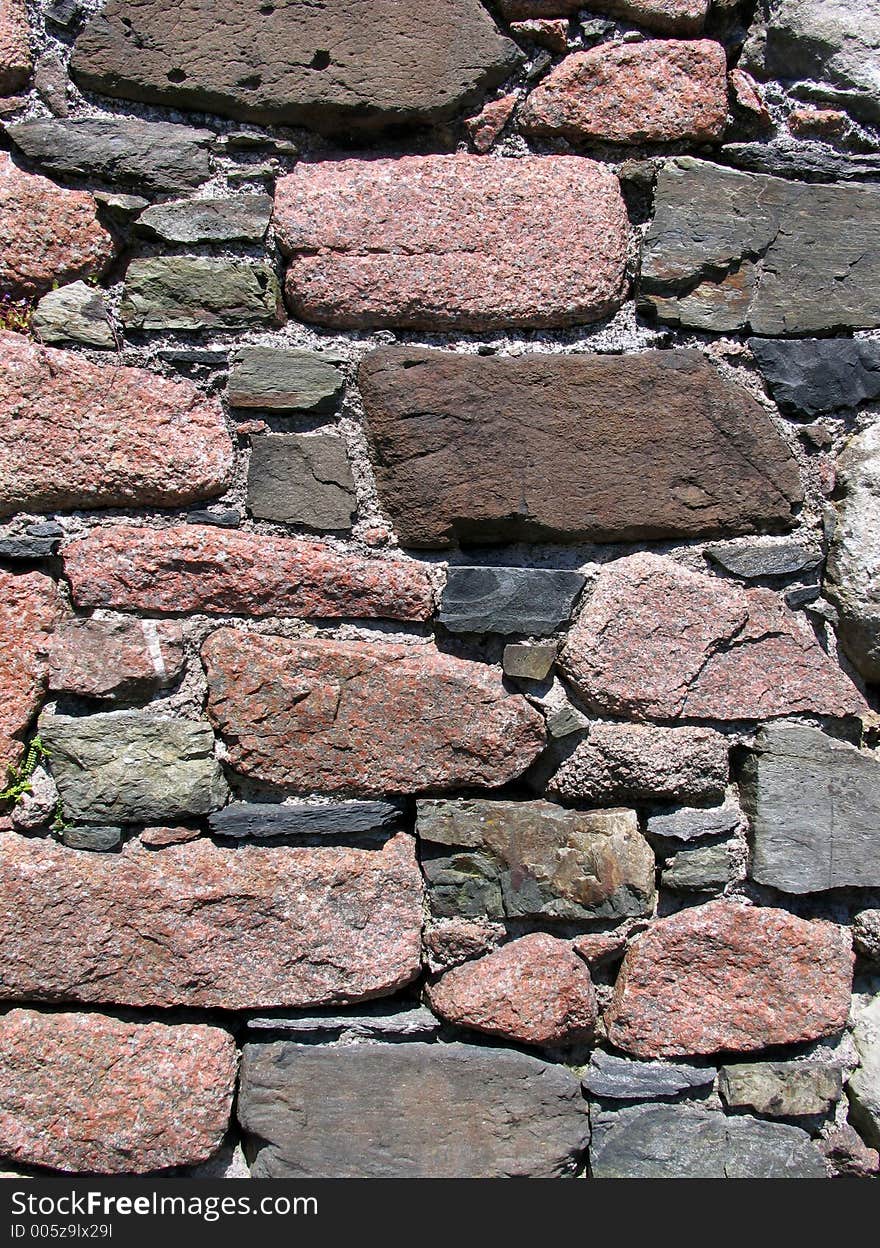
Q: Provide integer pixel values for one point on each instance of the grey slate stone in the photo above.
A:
(63, 13)
(261, 820)
(27, 549)
(814, 807)
(198, 292)
(408, 1111)
(305, 480)
(228, 518)
(528, 662)
(729, 250)
(811, 376)
(119, 205)
(380, 1021)
(283, 379)
(97, 839)
(242, 219)
(813, 162)
(614, 1078)
(752, 563)
(532, 601)
(146, 155)
(782, 1089)
(701, 869)
(132, 767)
(74, 313)
(687, 823)
(566, 720)
(688, 1142)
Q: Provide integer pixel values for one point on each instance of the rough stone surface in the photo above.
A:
(864, 1086)
(688, 824)
(198, 292)
(244, 218)
(655, 640)
(600, 948)
(534, 990)
(812, 376)
(866, 934)
(467, 448)
(77, 434)
(259, 820)
(120, 151)
(283, 379)
(848, 1154)
(732, 977)
(551, 33)
(614, 1078)
(423, 1111)
(528, 662)
(485, 129)
(754, 563)
(700, 869)
(49, 234)
(115, 659)
(644, 763)
(656, 91)
(379, 1021)
(132, 766)
(161, 837)
(453, 242)
(805, 160)
(853, 568)
(813, 804)
(203, 569)
(530, 859)
(366, 717)
(198, 925)
(304, 480)
(326, 65)
(681, 17)
(683, 1141)
(97, 839)
(15, 53)
(451, 941)
(74, 313)
(791, 258)
(781, 1089)
(136, 1097)
(29, 610)
(532, 601)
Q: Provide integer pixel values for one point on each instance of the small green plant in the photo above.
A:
(16, 315)
(18, 779)
(59, 823)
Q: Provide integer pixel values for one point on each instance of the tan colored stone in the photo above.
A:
(29, 610)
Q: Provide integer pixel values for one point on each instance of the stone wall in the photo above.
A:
(439, 476)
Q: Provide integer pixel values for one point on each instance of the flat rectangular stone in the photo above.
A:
(199, 292)
(529, 601)
(243, 218)
(261, 820)
(374, 1022)
(283, 379)
(303, 480)
(243, 928)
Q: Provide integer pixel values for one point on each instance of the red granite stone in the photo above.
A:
(15, 53)
(194, 568)
(727, 977)
(548, 33)
(115, 659)
(29, 610)
(485, 128)
(365, 717)
(85, 1093)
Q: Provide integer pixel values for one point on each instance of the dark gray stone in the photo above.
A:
(687, 1142)
(147, 155)
(752, 563)
(408, 1111)
(64, 13)
(702, 869)
(810, 161)
(691, 823)
(782, 1089)
(242, 219)
(203, 357)
(566, 720)
(27, 549)
(814, 807)
(531, 601)
(812, 376)
(305, 480)
(74, 313)
(375, 1022)
(260, 820)
(132, 767)
(229, 518)
(121, 206)
(98, 839)
(614, 1078)
(283, 379)
(199, 292)
(729, 250)
(328, 64)
(802, 595)
(866, 934)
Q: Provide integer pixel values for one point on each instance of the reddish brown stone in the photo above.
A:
(535, 990)
(657, 91)
(657, 641)
(88, 1093)
(525, 9)
(49, 234)
(76, 434)
(453, 242)
(552, 34)
(827, 123)
(15, 53)
(29, 610)
(747, 96)
(115, 659)
(451, 941)
(194, 568)
(677, 17)
(198, 925)
(600, 948)
(159, 838)
(729, 977)
(485, 128)
(364, 717)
